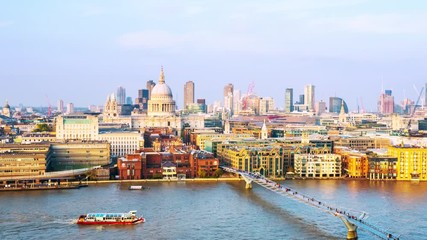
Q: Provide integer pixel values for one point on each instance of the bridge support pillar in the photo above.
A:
(248, 182)
(351, 228)
(352, 235)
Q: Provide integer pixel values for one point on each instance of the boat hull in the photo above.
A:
(139, 220)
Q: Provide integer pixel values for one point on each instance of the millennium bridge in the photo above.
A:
(350, 219)
(52, 175)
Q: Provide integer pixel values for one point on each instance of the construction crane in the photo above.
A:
(408, 127)
(246, 98)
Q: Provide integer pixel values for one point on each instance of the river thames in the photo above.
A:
(215, 210)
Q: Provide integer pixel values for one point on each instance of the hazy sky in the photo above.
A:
(81, 50)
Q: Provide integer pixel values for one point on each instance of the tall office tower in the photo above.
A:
(228, 97)
(320, 107)
(301, 99)
(150, 85)
(335, 104)
(386, 103)
(309, 99)
(237, 103)
(60, 106)
(129, 100)
(121, 95)
(70, 108)
(188, 93)
(142, 99)
(289, 100)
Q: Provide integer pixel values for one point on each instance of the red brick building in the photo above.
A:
(130, 167)
(186, 163)
(203, 163)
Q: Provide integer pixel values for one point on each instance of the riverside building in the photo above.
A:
(23, 160)
(318, 165)
(22, 164)
(382, 168)
(122, 142)
(78, 154)
(411, 162)
(265, 160)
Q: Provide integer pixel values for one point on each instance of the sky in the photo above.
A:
(82, 50)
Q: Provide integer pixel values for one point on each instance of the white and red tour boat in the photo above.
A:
(110, 218)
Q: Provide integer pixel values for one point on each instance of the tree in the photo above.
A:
(42, 127)
(202, 173)
(218, 173)
(157, 176)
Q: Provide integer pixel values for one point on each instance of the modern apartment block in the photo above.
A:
(78, 154)
(318, 165)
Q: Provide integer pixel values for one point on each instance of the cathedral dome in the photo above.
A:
(161, 90)
(161, 101)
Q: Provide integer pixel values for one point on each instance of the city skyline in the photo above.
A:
(352, 50)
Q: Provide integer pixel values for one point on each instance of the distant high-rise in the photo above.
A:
(386, 103)
(188, 93)
(266, 105)
(320, 107)
(335, 104)
(289, 100)
(228, 97)
(121, 95)
(150, 85)
(142, 99)
(202, 103)
(70, 108)
(309, 98)
(237, 104)
(129, 100)
(60, 106)
(301, 99)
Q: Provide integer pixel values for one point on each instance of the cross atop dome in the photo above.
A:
(162, 76)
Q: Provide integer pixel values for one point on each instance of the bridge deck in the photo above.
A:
(349, 215)
(51, 175)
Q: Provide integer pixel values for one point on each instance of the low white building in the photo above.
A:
(77, 127)
(123, 142)
(317, 165)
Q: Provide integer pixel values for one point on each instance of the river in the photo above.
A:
(215, 210)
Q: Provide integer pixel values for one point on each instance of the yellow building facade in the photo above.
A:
(411, 162)
(356, 165)
(202, 138)
(265, 160)
(22, 164)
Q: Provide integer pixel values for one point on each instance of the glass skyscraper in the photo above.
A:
(289, 100)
